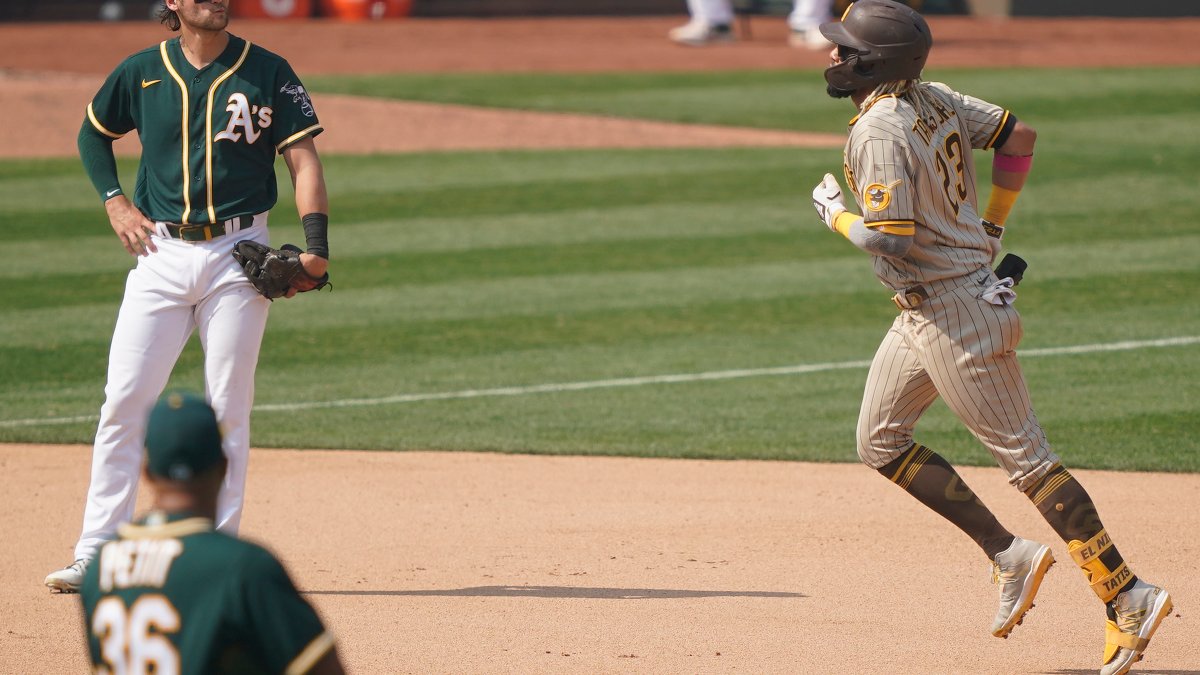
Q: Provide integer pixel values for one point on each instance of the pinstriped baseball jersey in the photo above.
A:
(912, 173)
(209, 136)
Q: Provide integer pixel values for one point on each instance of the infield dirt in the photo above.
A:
(484, 563)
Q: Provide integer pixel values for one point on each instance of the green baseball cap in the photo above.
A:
(182, 437)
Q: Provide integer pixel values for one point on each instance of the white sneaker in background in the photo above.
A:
(697, 33)
(809, 38)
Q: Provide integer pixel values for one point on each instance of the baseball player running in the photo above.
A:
(909, 163)
(211, 111)
(172, 595)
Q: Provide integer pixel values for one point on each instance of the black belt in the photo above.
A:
(208, 232)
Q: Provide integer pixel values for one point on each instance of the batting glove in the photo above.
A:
(827, 200)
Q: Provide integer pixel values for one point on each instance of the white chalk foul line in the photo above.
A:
(630, 381)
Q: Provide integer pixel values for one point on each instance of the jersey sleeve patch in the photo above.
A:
(878, 196)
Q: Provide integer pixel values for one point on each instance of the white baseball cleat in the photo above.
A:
(69, 578)
(1138, 612)
(1018, 570)
(809, 38)
(697, 33)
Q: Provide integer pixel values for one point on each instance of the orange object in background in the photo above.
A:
(360, 10)
(273, 9)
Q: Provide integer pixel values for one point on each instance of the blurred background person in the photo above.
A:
(712, 22)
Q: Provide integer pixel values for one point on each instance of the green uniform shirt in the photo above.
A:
(173, 592)
(209, 137)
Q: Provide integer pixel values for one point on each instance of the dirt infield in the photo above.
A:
(481, 563)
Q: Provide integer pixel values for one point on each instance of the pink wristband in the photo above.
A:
(1012, 163)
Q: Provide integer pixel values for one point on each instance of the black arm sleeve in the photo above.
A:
(1002, 136)
(95, 149)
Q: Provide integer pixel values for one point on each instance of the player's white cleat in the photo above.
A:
(696, 33)
(1018, 570)
(809, 38)
(69, 578)
(1138, 612)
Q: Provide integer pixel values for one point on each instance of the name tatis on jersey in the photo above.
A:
(926, 125)
(137, 562)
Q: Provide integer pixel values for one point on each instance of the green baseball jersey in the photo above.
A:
(172, 594)
(209, 136)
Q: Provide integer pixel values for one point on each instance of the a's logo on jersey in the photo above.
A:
(149, 83)
(299, 95)
(878, 195)
(245, 117)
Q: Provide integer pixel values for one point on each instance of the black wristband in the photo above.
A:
(316, 234)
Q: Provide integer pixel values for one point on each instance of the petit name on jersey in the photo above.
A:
(137, 562)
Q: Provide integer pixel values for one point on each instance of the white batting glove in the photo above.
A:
(827, 200)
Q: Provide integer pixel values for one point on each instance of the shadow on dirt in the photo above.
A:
(573, 592)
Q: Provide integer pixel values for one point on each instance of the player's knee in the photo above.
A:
(880, 445)
(876, 454)
(1024, 480)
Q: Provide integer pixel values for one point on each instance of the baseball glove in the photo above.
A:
(275, 271)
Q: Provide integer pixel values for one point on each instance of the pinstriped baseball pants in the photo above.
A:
(960, 347)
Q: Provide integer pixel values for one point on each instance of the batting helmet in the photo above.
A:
(880, 41)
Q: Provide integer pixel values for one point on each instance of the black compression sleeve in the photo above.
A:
(95, 149)
(316, 232)
(1002, 136)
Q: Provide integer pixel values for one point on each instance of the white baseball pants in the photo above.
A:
(184, 286)
(805, 13)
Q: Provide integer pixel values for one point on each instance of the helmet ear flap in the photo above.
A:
(863, 69)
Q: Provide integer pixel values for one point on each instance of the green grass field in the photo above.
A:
(465, 283)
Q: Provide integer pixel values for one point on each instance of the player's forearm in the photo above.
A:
(311, 196)
(95, 149)
(870, 240)
(1010, 169)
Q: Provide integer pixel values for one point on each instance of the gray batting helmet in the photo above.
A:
(890, 41)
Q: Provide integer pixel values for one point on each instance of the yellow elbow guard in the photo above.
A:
(842, 223)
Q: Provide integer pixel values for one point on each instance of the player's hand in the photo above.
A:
(315, 265)
(827, 200)
(132, 228)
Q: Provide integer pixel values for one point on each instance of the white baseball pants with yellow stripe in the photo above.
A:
(960, 347)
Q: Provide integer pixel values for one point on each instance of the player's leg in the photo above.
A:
(982, 382)
(805, 21)
(898, 392)
(231, 321)
(152, 328)
(712, 21)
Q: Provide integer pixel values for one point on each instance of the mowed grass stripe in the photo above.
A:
(655, 380)
(400, 270)
(840, 316)
(1149, 268)
(444, 185)
(782, 99)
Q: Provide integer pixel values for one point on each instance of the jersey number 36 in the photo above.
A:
(132, 641)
